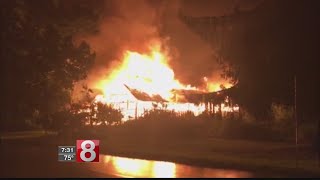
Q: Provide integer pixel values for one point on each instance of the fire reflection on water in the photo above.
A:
(164, 169)
(143, 168)
(128, 167)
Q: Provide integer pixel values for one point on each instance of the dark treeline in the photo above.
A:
(266, 49)
(40, 63)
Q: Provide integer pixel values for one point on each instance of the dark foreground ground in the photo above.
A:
(190, 143)
(37, 157)
(221, 158)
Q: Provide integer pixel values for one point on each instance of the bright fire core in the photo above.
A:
(148, 73)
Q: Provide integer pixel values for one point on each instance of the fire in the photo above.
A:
(217, 86)
(148, 73)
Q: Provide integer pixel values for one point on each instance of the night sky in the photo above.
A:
(215, 7)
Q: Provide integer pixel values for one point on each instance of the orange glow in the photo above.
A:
(141, 168)
(216, 86)
(130, 167)
(163, 169)
(151, 74)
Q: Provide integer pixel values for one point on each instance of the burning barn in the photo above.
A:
(195, 101)
(213, 103)
(142, 82)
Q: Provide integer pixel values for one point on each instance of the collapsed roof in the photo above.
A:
(142, 96)
(186, 96)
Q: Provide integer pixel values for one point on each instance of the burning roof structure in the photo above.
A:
(142, 79)
(188, 96)
(142, 96)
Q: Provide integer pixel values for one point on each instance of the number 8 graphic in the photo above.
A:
(87, 150)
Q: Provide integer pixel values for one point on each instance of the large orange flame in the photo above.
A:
(149, 73)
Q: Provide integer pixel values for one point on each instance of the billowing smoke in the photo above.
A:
(195, 58)
(125, 25)
(130, 24)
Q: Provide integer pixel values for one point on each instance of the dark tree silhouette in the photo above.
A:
(264, 49)
(108, 115)
(40, 63)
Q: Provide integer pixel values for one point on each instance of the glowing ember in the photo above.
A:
(213, 87)
(148, 73)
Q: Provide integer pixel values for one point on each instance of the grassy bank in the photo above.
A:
(192, 142)
(26, 134)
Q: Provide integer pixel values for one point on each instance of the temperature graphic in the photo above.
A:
(68, 157)
(67, 153)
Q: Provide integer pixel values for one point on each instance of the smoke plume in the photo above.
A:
(131, 24)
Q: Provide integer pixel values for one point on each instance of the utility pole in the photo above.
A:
(136, 111)
(295, 117)
(317, 143)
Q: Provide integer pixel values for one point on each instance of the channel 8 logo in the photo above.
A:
(87, 150)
